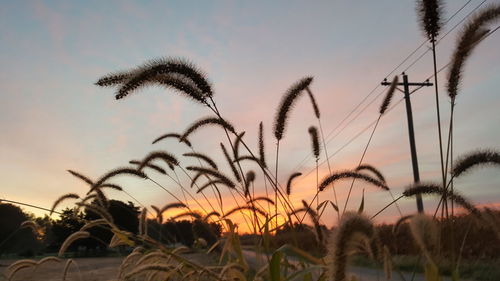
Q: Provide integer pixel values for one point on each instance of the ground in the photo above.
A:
(90, 269)
(102, 269)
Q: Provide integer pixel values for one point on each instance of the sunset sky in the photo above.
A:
(53, 117)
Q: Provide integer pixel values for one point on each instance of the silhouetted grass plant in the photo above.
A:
(266, 217)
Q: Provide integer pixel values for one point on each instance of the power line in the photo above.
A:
(378, 85)
(463, 6)
(388, 110)
(352, 139)
(446, 34)
(328, 139)
(28, 205)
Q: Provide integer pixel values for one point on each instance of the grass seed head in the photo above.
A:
(287, 103)
(313, 132)
(472, 32)
(474, 159)
(72, 238)
(388, 96)
(430, 17)
(353, 226)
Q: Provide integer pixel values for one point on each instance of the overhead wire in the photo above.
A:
(388, 110)
(329, 138)
(446, 34)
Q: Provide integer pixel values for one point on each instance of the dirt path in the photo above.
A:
(102, 269)
(371, 274)
(87, 269)
(90, 269)
(362, 273)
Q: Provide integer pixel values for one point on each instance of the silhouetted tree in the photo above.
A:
(184, 231)
(69, 222)
(208, 231)
(13, 238)
(46, 235)
(480, 238)
(125, 217)
(301, 235)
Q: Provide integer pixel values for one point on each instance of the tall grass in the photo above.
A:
(264, 215)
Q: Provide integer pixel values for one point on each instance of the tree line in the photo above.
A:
(46, 235)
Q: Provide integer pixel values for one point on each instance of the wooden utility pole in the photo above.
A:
(411, 132)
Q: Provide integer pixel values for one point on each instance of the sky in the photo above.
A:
(54, 118)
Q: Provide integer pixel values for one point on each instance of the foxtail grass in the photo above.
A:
(93, 223)
(261, 198)
(63, 198)
(354, 230)
(314, 103)
(190, 214)
(22, 264)
(435, 189)
(116, 172)
(468, 38)
(235, 171)
(168, 158)
(350, 174)
(215, 173)
(388, 96)
(313, 132)
(99, 210)
(149, 165)
(383, 108)
(287, 102)
(236, 145)
(143, 225)
(112, 186)
(211, 214)
(289, 182)
(474, 159)
(352, 227)
(169, 72)
(72, 238)
(176, 205)
(431, 22)
(241, 208)
(211, 183)
(113, 79)
(82, 177)
(399, 222)
(371, 169)
(424, 231)
(206, 122)
(249, 179)
(313, 215)
(67, 265)
(430, 17)
(159, 215)
(203, 157)
(262, 153)
(172, 135)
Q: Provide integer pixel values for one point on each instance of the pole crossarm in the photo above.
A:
(415, 84)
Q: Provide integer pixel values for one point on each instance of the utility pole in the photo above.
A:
(411, 132)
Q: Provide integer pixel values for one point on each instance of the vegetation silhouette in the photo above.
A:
(287, 246)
